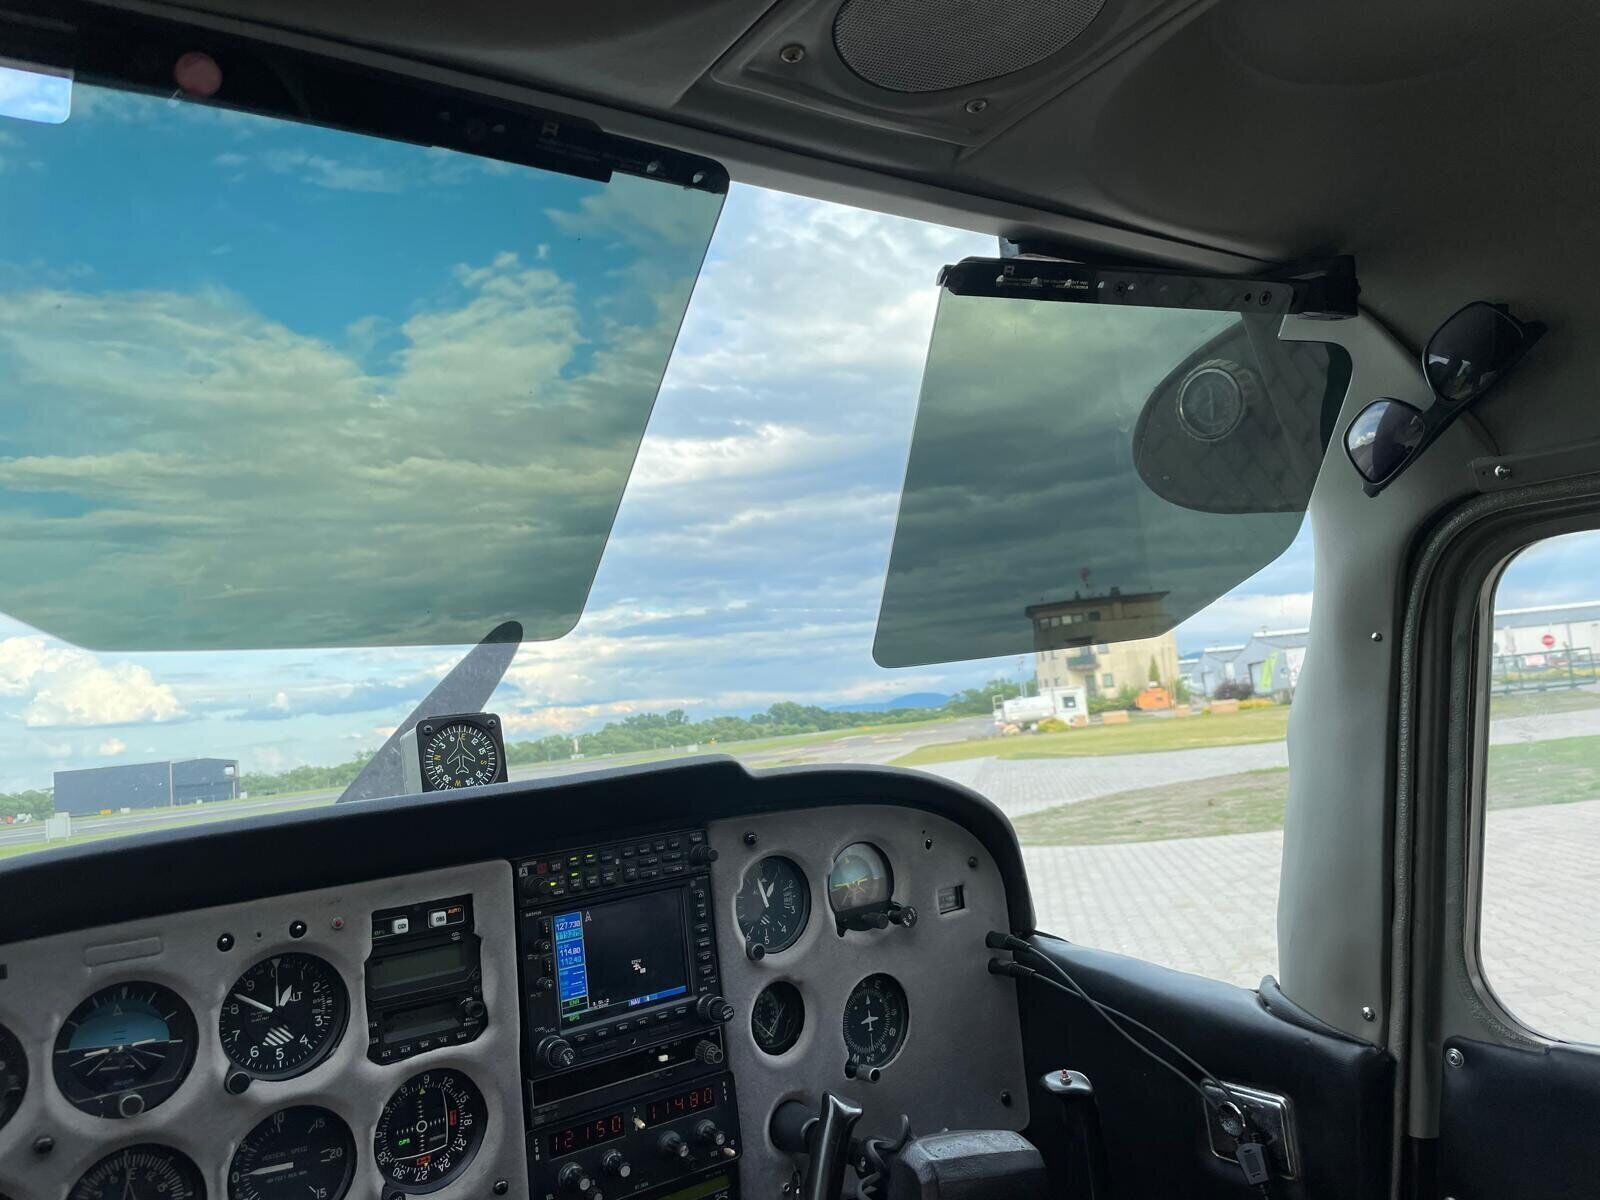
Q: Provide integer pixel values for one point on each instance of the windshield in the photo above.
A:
(737, 604)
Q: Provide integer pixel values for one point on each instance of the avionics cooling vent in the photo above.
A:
(932, 45)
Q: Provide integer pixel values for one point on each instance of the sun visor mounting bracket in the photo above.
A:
(1319, 288)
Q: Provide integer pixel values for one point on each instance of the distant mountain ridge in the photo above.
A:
(909, 700)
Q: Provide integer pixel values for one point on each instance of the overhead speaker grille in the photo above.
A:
(933, 45)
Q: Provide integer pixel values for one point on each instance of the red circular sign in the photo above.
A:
(1549, 640)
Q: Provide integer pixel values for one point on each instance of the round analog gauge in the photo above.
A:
(773, 904)
(284, 1015)
(860, 881)
(429, 1130)
(875, 1017)
(293, 1152)
(459, 755)
(125, 1049)
(777, 1017)
(13, 1075)
(147, 1172)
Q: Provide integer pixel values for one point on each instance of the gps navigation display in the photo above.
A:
(620, 955)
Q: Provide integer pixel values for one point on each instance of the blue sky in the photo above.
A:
(747, 559)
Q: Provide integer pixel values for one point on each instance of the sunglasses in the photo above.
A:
(1465, 357)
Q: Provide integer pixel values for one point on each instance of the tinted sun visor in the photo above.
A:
(1084, 473)
(286, 382)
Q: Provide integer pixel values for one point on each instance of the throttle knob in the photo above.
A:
(672, 1146)
(707, 1132)
(573, 1181)
(708, 1052)
(557, 1052)
(612, 1163)
(714, 1008)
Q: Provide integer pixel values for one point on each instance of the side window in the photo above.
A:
(1538, 936)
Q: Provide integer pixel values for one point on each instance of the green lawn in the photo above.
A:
(1538, 704)
(1244, 803)
(1140, 735)
(1562, 771)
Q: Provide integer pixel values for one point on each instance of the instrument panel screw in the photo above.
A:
(297, 929)
(977, 106)
(1005, 1099)
(225, 942)
(1501, 471)
(750, 838)
(1454, 1057)
(43, 1144)
(792, 53)
(1376, 636)
(972, 862)
(501, 1187)
(1367, 1014)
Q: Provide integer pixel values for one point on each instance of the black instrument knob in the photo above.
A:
(708, 1052)
(573, 1180)
(557, 1053)
(613, 1163)
(544, 946)
(702, 854)
(471, 1007)
(903, 915)
(546, 984)
(672, 1146)
(706, 1131)
(714, 1008)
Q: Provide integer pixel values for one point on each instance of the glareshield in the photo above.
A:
(271, 384)
(1085, 474)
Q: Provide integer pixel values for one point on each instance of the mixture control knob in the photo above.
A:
(714, 1008)
(708, 1052)
(573, 1181)
(614, 1164)
(702, 854)
(707, 1132)
(672, 1146)
(557, 1052)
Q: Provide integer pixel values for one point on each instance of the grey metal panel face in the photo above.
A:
(1334, 906)
(963, 1043)
(48, 977)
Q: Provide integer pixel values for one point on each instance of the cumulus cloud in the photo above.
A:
(65, 686)
(230, 477)
(111, 746)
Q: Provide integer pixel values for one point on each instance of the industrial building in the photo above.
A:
(1270, 661)
(146, 785)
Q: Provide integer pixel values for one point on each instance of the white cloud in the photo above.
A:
(111, 746)
(65, 686)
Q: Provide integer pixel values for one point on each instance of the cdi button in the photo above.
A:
(400, 925)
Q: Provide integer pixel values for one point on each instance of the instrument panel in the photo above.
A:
(219, 1054)
(568, 1024)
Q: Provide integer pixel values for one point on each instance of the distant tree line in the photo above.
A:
(675, 731)
(641, 732)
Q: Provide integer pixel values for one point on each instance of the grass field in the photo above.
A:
(1534, 704)
(1140, 735)
(1562, 771)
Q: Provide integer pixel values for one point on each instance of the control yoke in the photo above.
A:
(823, 1137)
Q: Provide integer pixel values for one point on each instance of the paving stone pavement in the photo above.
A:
(1209, 905)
